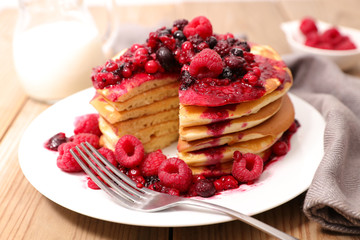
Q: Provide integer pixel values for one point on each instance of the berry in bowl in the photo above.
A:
(339, 44)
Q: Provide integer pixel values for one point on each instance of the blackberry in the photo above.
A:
(227, 73)
(180, 23)
(235, 62)
(237, 52)
(151, 180)
(164, 32)
(245, 46)
(186, 80)
(222, 48)
(196, 40)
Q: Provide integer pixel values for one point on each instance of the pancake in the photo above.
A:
(221, 154)
(278, 123)
(230, 126)
(137, 84)
(146, 98)
(136, 124)
(144, 135)
(156, 142)
(112, 116)
(198, 115)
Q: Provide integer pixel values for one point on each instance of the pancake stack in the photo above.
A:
(208, 136)
(213, 93)
(148, 111)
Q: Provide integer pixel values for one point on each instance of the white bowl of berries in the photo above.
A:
(339, 44)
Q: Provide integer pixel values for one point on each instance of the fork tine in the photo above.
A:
(90, 173)
(119, 180)
(116, 190)
(121, 175)
(117, 172)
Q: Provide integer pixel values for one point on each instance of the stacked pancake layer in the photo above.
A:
(151, 114)
(208, 136)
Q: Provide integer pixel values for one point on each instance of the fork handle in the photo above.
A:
(242, 217)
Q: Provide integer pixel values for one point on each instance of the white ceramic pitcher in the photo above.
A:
(56, 44)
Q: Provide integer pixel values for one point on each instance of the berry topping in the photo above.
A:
(225, 183)
(150, 165)
(65, 161)
(129, 151)
(280, 148)
(88, 123)
(206, 64)
(205, 188)
(179, 35)
(180, 24)
(247, 167)
(175, 173)
(211, 41)
(86, 137)
(165, 57)
(151, 66)
(55, 141)
(199, 25)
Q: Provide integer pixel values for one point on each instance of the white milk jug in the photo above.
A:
(56, 44)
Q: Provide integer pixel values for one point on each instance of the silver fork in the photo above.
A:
(126, 192)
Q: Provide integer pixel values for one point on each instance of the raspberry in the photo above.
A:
(308, 25)
(199, 25)
(86, 137)
(55, 141)
(150, 165)
(129, 151)
(346, 44)
(331, 35)
(247, 167)
(91, 184)
(205, 188)
(175, 173)
(280, 148)
(312, 39)
(109, 155)
(65, 161)
(88, 123)
(174, 192)
(225, 183)
(206, 64)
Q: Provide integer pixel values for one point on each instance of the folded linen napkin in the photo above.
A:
(333, 198)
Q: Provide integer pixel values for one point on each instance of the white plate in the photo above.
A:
(345, 59)
(280, 182)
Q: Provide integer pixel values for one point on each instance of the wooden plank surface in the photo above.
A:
(26, 214)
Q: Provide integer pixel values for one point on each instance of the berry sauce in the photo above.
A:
(217, 128)
(212, 69)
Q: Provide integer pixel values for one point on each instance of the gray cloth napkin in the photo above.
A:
(333, 199)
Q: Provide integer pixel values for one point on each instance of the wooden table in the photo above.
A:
(26, 214)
